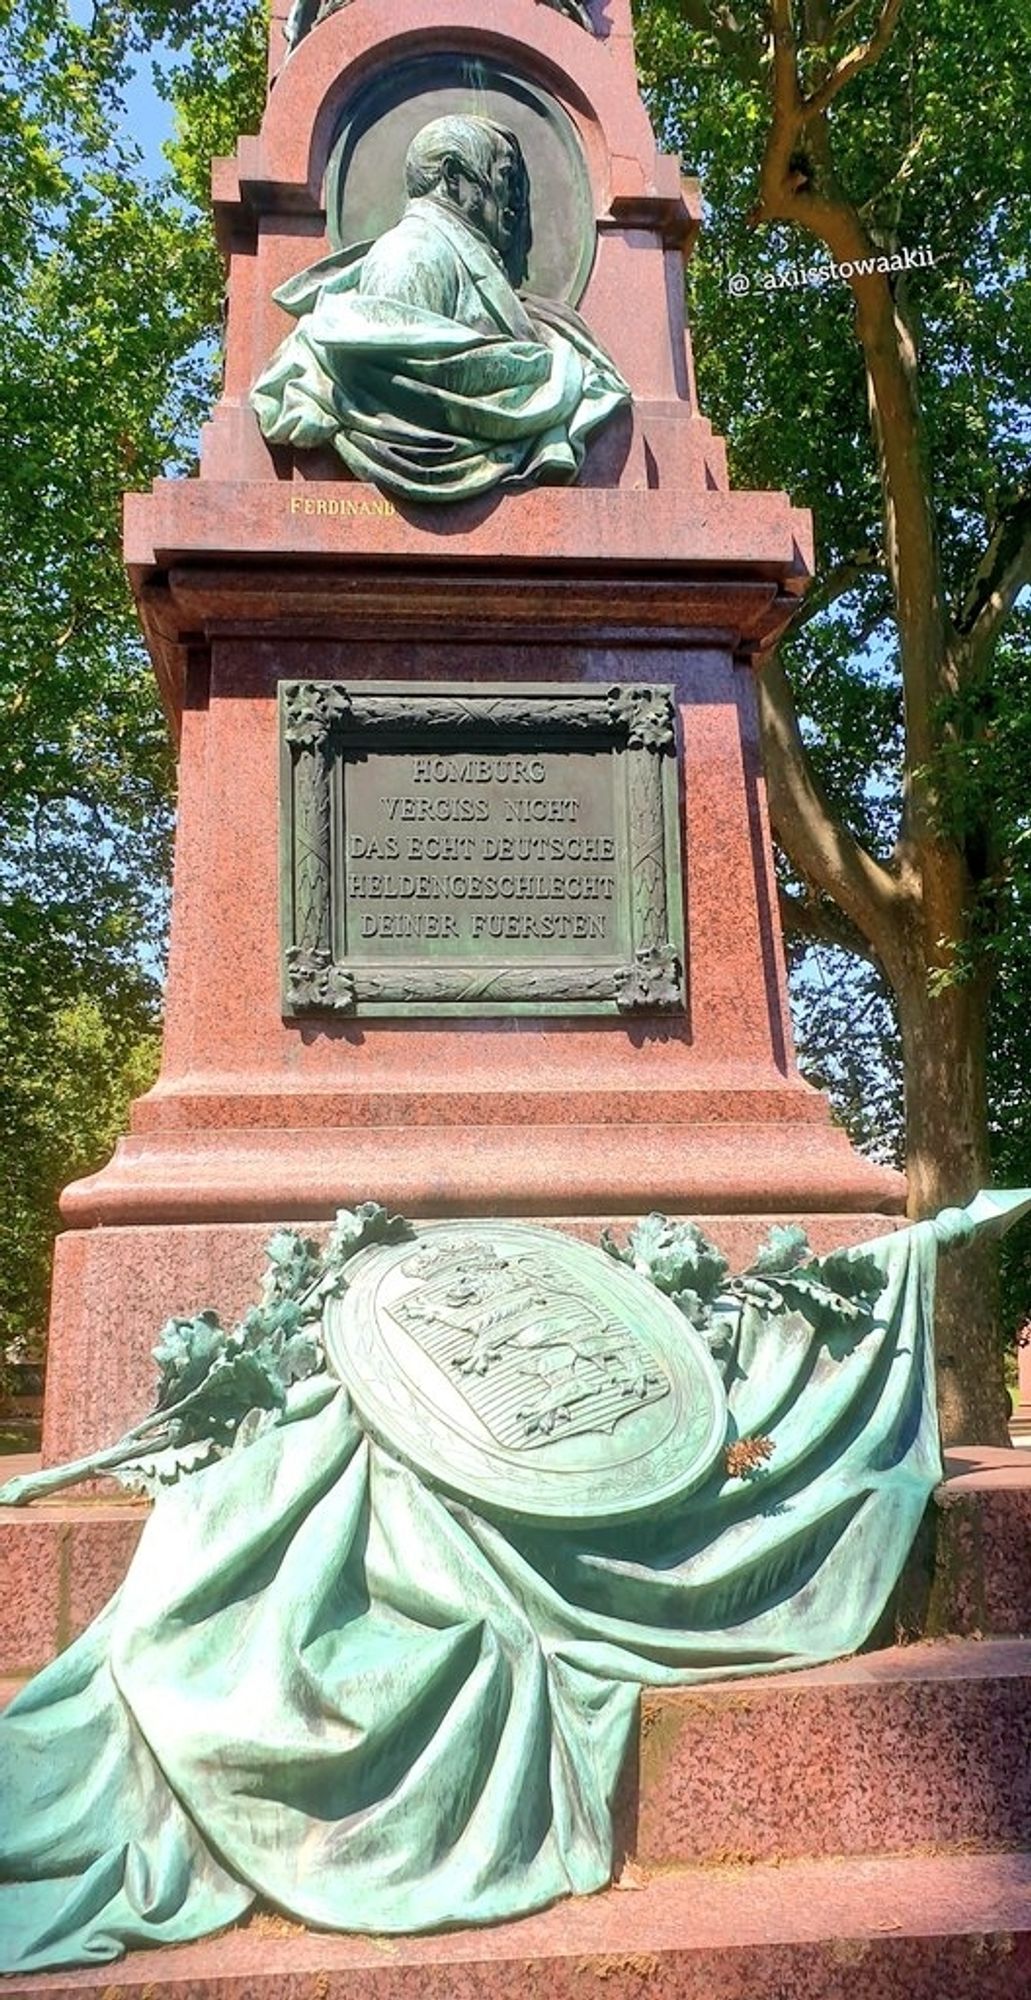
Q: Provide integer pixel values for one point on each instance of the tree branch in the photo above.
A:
(1003, 572)
(797, 185)
(829, 588)
(809, 830)
(819, 921)
(787, 97)
(859, 58)
(727, 32)
(846, 15)
(819, 23)
(898, 178)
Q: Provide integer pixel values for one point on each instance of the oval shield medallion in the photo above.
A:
(527, 1372)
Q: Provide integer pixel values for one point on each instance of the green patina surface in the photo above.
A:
(332, 1679)
(365, 169)
(533, 1376)
(479, 849)
(418, 361)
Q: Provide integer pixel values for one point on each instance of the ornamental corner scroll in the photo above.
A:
(473, 850)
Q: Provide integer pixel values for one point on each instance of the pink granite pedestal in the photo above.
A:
(258, 1119)
(934, 1927)
(276, 565)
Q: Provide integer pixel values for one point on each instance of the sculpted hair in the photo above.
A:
(473, 142)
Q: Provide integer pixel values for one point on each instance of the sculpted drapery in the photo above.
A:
(419, 362)
(330, 1684)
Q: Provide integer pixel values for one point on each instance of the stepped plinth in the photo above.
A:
(475, 915)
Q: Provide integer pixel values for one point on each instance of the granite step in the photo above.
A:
(917, 1748)
(954, 1927)
(970, 1573)
(60, 1561)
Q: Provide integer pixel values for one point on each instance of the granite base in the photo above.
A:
(926, 1927)
(904, 1751)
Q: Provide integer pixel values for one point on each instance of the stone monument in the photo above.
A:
(473, 902)
(474, 912)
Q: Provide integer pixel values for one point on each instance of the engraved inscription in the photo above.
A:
(469, 848)
(342, 506)
(464, 851)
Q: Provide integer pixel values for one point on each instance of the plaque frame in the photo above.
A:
(323, 722)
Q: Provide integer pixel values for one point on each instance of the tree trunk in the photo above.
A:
(947, 1160)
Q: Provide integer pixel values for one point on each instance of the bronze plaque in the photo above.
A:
(479, 850)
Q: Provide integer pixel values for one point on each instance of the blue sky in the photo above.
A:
(149, 119)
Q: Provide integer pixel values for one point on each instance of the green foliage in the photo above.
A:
(218, 1389)
(110, 292)
(835, 1294)
(932, 144)
(358, 1228)
(186, 1352)
(783, 1249)
(676, 1256)
(210, 1381)
(71, 1064)
(218, 91)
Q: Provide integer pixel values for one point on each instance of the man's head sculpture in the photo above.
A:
(477, 167)
(418, 360)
